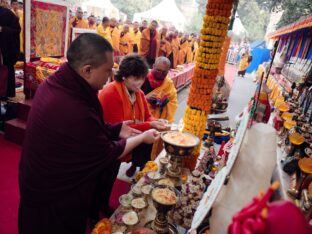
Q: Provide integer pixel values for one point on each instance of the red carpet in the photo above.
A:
(230, 72)
(120, 188)
(9, 194)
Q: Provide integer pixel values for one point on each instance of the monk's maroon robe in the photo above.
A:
(67, 146)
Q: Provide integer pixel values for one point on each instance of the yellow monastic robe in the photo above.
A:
(82, 23)
(243, 64)
(190, 54)
(21, 21)
(115, 34)
(136, 37)
(105, 33)
(92, 26)
(195, 50)
(145, 43)
(126, 44)
(168, 90)
(175, 50)
(182, 52)
(162, 46)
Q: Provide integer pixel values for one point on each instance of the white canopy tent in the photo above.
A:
(166, 12)
(238, 27)
(102, 8)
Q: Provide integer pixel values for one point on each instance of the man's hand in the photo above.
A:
(127, 131)
(158, 125)
(150, 136)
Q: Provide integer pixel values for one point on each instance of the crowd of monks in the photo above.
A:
(129, 37)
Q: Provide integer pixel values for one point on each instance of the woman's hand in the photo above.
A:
(127, 131)
(158, 125)
(150, 136)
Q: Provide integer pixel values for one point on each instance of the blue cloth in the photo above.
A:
(259, 55)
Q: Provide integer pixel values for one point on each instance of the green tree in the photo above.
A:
(129, 7)
(194, 25)
(253, 18)
(293, 10)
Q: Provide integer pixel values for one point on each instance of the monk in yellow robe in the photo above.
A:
(243, 64)
(196, 46)
(126, 44)
(190, 53)
(104, 30)
(115, 34)
(149, 43)
(135, 37)
(163, 43)
(161, 96)
(77, 22)
(92, 22)
(175, 44)
(183, 47)
(169, 48)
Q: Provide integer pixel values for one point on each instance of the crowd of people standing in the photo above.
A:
(143, 38)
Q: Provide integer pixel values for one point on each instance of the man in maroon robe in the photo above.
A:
(67, 144)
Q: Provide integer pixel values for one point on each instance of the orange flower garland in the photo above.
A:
(225, 49)
(213, 33)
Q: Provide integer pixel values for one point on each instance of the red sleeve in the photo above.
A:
(111, 103)
(141, 126)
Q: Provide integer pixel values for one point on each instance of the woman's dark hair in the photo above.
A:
(132, 65)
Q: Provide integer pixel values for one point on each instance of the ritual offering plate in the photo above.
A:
(153, 176)
(305, 165)
(287, 116)
(139, 203)
(146, 189)
(179, 143)
(283, 107)
(125, 200)
(296, 138)
(164, 196)
(165, 199)
(289, 124)
(136, 190)
(166, 181)
(130, 218)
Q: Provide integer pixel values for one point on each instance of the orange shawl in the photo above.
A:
(129, 113)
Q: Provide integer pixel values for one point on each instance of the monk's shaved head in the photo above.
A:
(88, 48)
(126, 28)
(162, 61)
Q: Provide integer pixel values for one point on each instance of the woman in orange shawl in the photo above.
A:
(123, 100)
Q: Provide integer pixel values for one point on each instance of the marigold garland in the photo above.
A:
(213, 32)
(225, 49)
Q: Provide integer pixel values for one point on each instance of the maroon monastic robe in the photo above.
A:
(67, 147)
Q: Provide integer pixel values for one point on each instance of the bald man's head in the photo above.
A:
(91, 56)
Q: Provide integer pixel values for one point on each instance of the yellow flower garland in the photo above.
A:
(213, 32)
